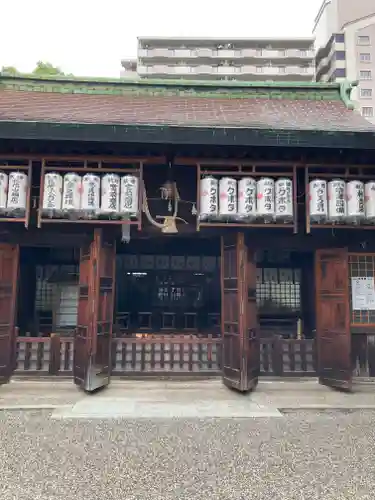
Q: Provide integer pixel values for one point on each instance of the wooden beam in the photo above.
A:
(83, 158)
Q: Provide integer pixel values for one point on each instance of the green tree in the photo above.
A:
(9, 70)
(41, 69)
(47, 69)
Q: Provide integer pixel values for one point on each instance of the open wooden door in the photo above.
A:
(333, 318)
(92, 341)
(239, 321)
(9, 264)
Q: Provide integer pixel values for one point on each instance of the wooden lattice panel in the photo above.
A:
(361, 266)
(279, 287)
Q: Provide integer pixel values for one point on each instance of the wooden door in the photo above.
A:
(239, 322)
(333, 318)
(9, 264)
(93, 337)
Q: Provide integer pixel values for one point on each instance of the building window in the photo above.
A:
(259, 52)
(365, 57)
(282, 69)
(363, 40)
(340, 38)
(339, 73)
(366, 93)
(282, 53)
(303, 53)
(367, 112)
(259, 69)
(304, 69)
(365, 75)
(340, 55)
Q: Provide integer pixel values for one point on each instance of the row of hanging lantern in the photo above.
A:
(13, 193)
(91, 196)
(337, 201)
(246, 200)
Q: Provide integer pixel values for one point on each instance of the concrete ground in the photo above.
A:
(94, 447)
(285, 394)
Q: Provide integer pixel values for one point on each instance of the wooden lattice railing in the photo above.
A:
(287, 357)
(170, 354)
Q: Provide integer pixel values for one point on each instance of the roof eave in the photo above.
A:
(204, 135)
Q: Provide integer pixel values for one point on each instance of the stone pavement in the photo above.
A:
(198, 398)
(161, 441)
(303, 456)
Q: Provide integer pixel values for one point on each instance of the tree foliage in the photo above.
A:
(42, 68)
(47, 69)
(9, 70)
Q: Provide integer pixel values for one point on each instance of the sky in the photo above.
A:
(90, 37)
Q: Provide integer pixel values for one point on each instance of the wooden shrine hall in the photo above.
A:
(173, 228)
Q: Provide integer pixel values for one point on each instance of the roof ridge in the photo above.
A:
(166, 82)
(175, 88)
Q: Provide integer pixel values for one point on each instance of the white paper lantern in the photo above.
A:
(355, 194)
(247, 196)
(17, 194)
(336, 201)
(110, 200)
(129, 196)
(52, 194)
(227, 198)
(90, 196)
(284, 200)
(370, 201)
(72, 186)
(318, 202)
(266, 199)
(3, 192)
(209, 198)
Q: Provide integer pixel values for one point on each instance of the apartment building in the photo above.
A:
(267, 59)
(129, 68)
(344, 33)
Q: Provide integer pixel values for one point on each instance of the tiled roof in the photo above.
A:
(285, 107)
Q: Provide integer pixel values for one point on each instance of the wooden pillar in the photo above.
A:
(308, 295)
(27, 293)
(9, 266)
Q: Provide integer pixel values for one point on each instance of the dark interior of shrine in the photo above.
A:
(166, 285)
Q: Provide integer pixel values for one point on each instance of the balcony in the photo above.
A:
(153, 70)
(154, 53)
(203, 53)
(183, 53)
(159, 70)
(230, 54)
(226, 53)
(227, 70)
(249, 71)
(273, 71)
(202, 70)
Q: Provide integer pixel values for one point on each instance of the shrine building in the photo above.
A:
(185, 228)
